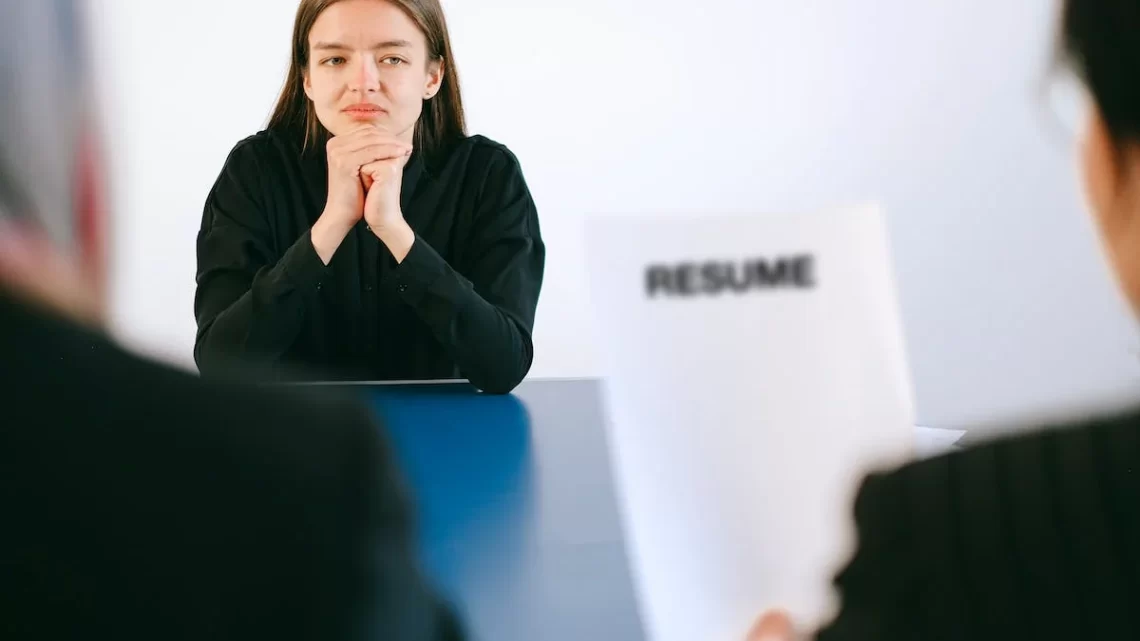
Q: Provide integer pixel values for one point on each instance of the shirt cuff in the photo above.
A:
(424, 270)
(302, 266)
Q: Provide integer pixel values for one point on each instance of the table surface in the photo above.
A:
(517, 513)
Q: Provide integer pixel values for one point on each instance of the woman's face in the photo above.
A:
(369, 64)
(1112, 189)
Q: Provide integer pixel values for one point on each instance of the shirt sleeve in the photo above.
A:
(483, 313)
(250, 304)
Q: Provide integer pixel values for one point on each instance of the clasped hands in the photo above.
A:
(366, 170)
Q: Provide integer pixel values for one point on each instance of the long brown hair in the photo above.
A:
(442, 121)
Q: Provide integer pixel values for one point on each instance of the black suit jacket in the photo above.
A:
(137, 502)
(1028, 537)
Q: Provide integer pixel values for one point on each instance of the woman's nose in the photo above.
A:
(366, 78)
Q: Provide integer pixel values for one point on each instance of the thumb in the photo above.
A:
(774, 625)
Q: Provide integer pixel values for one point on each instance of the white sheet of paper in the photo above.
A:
(741, 423)
(933, 441)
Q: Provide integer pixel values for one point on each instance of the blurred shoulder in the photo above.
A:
(1023, 466)
(321, 439)
(104, 396)
(299, 423)
(949, 534)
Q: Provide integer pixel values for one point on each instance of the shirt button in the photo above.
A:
(368, 287)
(318, 287)
(402, 287)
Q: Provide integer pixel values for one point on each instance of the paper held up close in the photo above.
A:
(754, 370)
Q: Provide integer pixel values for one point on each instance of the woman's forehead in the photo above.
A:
(365, 24)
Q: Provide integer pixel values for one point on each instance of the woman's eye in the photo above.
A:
(334, 61)
(393, 61)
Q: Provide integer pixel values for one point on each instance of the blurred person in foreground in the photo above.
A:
(1035, 536)
(138, 502)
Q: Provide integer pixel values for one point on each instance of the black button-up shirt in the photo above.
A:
(460, 305)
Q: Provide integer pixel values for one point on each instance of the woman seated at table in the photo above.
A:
(1036, 536)
(363, 235)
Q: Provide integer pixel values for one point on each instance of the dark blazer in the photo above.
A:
(1033, 536)
(137, 502)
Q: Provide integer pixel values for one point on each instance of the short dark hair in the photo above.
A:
(1100, 39)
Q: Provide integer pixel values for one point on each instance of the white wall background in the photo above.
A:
(657, 105)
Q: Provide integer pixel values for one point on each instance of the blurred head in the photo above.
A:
(385, 62)
(1099, 41)
(51, 245)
